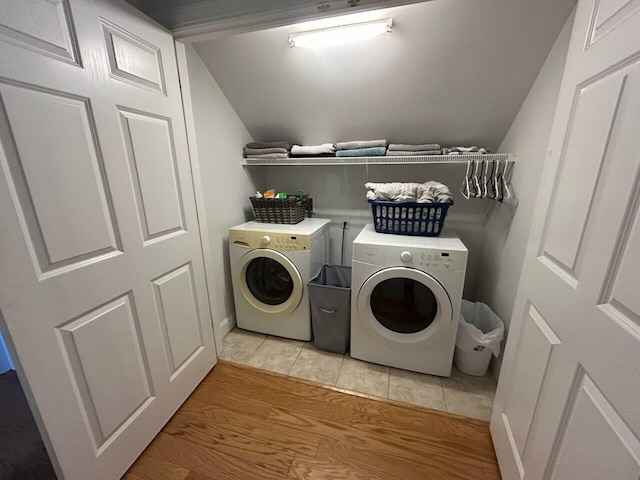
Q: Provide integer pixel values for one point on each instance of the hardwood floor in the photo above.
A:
(243, 424)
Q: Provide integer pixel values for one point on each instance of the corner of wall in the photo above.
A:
(216, 136)
(227, 324)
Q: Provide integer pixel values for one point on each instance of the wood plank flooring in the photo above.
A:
(242, 423)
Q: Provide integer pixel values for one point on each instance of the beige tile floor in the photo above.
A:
(461, 394)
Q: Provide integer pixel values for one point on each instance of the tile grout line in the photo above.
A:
(389, 383)
(257, 348)
(444, 395)
(340, 369)
(297, 356)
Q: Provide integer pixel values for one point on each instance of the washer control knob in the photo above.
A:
(266, 240)
(405, 256)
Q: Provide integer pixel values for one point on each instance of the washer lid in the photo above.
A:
(308, 226)
(270, 282)
(404, 305)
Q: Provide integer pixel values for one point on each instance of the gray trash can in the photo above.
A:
(330, 299)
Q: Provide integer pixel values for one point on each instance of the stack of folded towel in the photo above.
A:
(266, 150)
(324, 150)
(402, 149)
(361, 148)
(464, 151)
(428, 192)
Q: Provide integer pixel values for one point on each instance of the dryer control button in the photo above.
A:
(405, 256)
(266, 240)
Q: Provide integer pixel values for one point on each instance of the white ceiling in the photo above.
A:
(452, 72)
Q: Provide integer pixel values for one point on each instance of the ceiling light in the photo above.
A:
(327, 37)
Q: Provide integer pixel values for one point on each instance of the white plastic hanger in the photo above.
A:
(464, 188)
(505, 182)
(476, 180)
(485, 171)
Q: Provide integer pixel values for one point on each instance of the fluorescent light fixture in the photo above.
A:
(328, 37)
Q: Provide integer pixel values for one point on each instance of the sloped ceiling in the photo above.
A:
(453, 72)
(205, 18)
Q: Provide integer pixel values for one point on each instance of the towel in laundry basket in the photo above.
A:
(428, 192)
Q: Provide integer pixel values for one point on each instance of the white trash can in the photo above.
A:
(480, 332)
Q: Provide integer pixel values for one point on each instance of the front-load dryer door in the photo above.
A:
(270, 282)
(404, 305)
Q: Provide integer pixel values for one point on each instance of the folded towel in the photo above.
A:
(465, 153)
(268, 145)
(482, 151)
(434, 192)
(313, 149)
(400, 153)
(269, 155)
(319, 155)
(395, 191)
(428, 192)
(357, 144)
(412, 148)
(262, 151)
(362, 152)
(464, 150)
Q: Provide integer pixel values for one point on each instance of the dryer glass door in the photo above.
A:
(403, 305)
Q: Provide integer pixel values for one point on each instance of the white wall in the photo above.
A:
(216, 137)
(339, 195)
(507, 230)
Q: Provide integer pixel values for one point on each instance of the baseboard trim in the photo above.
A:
(226, 325)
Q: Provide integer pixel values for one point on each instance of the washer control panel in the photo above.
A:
(289, 242)
(283, 242)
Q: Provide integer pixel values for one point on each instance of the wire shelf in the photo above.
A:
(380, 160)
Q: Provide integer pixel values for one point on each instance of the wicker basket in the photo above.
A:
(289, 210)
(409, 218)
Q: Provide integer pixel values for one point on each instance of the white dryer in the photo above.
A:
(405, 301)
(270, 267)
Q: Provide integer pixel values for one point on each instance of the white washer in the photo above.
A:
(270, 267)
(405, 301)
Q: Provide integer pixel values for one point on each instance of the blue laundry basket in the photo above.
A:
(409, 218)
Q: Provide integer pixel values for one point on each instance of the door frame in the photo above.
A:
(198, 187)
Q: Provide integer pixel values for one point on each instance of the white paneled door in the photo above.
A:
(568, 400)
(102, 285)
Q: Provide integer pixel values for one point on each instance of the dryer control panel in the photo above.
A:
(422, 259)
(439, 260)
(278, 241)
